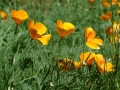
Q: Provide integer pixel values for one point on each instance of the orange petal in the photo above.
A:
(89, 34)
(40, 28)
(22, 14)
(59, 23)
(87, 58)
(97, 41)
(106, 16)
(92, 45)
(77, 64)
(33, 34)
(30, 24)
(108, 67)
(99, 59)
(63, 32)
(106, 4)
(109, 30)
(44, 39)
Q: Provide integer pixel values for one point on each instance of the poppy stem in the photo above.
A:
(16, 30)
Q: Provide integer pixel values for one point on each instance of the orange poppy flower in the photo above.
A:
(91, 1)
(87, 58)
(3, 15)
(106, 16)
(102, 65)
(37, 30)
(91, 41)
(66, 64)
(64, 29)
(105, 3)
(19, 16)
(113, 29)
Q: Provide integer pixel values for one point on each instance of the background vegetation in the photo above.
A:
(28, 65)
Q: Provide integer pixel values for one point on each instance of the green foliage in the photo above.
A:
(26, 64)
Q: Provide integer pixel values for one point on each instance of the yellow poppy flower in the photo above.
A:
(19, 16)
(106, 16)
(87, 58)
(115, 2)
(119, 12)
(102, 65)
(64, 29)
(114, 39)
(36, 32)
(3, 15)
(77, 64)
(91, 1)
(91, 41)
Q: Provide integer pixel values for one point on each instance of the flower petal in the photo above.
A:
(40, 28)
(97, 41)
(44, 39)
(68, 26)
(77, 64)
(87, 58)
(89, 34)
(109, 30)
(92, 45)
(63, 32)
(30, 24)
(106, 16)
(99, 59)
(22, 14)
(59, 23)
(3, 15)
(65, 28)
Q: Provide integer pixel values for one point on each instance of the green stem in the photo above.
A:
(16, 30)
(26, 79)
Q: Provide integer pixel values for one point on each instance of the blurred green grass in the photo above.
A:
(28, 65)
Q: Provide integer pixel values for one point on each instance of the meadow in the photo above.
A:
(59, 45)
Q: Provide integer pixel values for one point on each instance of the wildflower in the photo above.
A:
(113, 32)
(3, 15)
(87, 58)
(64, 29)
(91, 41)
(115, 2)
(102, 65)
(77, 64)
(119, 12)
(106, 16)
(114, 38)
(105, 3)
(91, 1)
(65, 64)
(19, 16)
(37, 30)
(113, 29)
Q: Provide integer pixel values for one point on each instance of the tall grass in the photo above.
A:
(26, 64)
